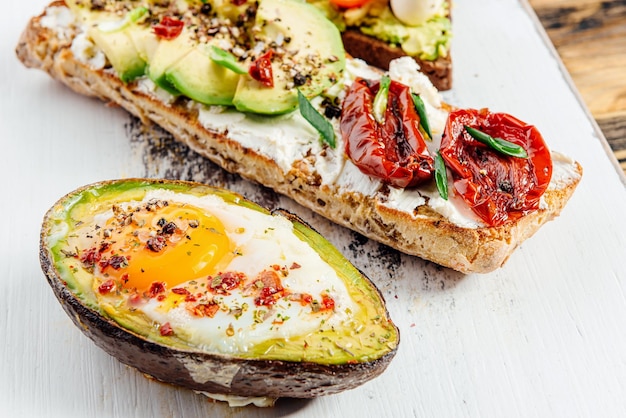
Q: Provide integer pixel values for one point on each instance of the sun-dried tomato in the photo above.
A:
(393, 151)
(497, 187)
(168, 28)
(261, 69)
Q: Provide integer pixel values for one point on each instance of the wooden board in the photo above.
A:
(543, 336)
(590, 36)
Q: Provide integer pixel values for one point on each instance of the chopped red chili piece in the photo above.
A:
(90, 258)
(106, 287)
(155, 289)
(238, 2)
(224, 282)
(272, 289)
(168, 28)
(261, 69)
(328, 303)
(116, 261)
(180, 291)
(205, 309)
(166, 329)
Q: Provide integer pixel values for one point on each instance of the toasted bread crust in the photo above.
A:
(379, 54)
(427, 235)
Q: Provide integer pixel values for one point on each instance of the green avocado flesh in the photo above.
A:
(100, 243)
(429, 40)
(317, 44)
(199, 78)
(306, 48)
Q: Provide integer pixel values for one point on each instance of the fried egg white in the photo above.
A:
(218, 275)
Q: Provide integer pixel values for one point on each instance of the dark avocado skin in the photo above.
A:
(267, 378)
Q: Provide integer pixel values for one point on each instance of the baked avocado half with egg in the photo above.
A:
(198, 287)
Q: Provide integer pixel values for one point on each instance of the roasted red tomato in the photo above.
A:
(168, 28)
(497, 187)
(261, 69)
(393, 151)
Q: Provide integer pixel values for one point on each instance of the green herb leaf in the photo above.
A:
(319, 122)
(498, 144)
(380, 101)
(441, 176)
(421, 111)
(226, 59)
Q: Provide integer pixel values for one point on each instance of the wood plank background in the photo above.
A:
(590, 36)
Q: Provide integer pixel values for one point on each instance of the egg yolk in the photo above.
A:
(171, 245)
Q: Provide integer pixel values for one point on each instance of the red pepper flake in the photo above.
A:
(116, 261)
(90, 257)
(168, 28)
(156, 244)
(328, 303)
(181, 291)
(161, 298)
(272, 289)
(166, 329)
(155, 289)
(106, 287)
(224, 282)
(261, 69)
(204, 309)
(295, 266)
(104, 246)
(303, 298)
(238, 2)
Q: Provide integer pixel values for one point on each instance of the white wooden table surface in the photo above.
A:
(543, 336)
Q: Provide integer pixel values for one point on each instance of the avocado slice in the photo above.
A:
(319, 327)
(112, 34)
(310, 40)
(144, 40)
(198, 77)
(168, 53)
